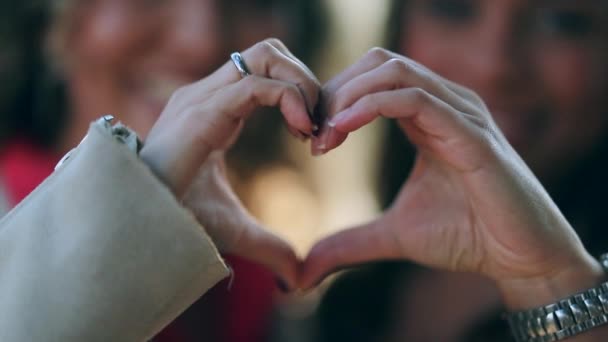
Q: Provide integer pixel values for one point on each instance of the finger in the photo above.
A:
(376, 57)
(370, 61)
(271, 59)
(234, 103)
(259, 245)
(283, 48)
(395, 74)
(317, 113)
(230, 225)
(438, 120)
(327, 140)
(264, 60)
(239, 100)
(297, 134)
(366, 243)
(212, 126)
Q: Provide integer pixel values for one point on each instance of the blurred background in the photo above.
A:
(541, 66)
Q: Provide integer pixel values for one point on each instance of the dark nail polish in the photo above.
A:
(318, 116)
(304, 135)
(282, 285)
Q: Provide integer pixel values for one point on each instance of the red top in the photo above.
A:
(241, 312)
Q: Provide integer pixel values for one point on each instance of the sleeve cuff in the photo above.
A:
(101, 251)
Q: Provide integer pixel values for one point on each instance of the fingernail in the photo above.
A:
(282, 285)
(303, 136)
(318, 151)
(337, 118)
(317, 116)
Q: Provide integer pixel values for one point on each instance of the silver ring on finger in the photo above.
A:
(240, 64)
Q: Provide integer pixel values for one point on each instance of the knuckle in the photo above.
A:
(337, 101)
(488, 143)
(292, 90)
(471, 94)
(379, 54)
(249, 88)
(252, 85)
(475, 97)
(181, 92)
(369, 103)
(275, 42)
(467, 93)
(248, 83)
(420, 96)
(191, 112)
(264, 48)
(399, 66)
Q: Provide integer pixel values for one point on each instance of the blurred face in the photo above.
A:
(541, 66)
(126, 57)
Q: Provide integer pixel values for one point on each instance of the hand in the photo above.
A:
(470, 203)
(204, 119)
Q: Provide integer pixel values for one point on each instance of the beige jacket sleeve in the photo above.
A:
(101, 251)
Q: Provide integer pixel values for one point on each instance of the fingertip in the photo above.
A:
(271, 251)
(317, 146)
(296, 114)
(287, 268)
(282, 285)
(336, 139)
(313, 271)
(318, 116)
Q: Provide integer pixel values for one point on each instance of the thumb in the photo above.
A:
(373, 241)
(259, 245)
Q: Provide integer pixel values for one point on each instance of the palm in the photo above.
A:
(449, 215)
(432, 219)
(232, 228)
(466, 208)
(213, 202)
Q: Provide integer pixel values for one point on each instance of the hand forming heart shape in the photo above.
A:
(470, 204)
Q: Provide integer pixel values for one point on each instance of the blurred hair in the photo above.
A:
(32, 94)
(30, 98)
(579, 194)
(394, 26)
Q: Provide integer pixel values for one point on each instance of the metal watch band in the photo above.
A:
(565, 318)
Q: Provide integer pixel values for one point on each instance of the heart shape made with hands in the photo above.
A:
(470, 203)
(215, 204)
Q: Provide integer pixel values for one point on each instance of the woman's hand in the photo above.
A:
(470, 203)
(204, 119)
(207, 116)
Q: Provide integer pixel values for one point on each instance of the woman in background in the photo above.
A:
(541, 66)
(126, 58)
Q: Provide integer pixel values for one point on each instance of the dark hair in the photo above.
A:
(394, 27)
(580, 195)
(309, 24)
(399, 154)
(32, 97)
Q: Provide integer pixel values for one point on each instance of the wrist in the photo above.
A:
(573, 277)
(176, 165)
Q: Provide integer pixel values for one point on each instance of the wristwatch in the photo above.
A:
(565, 318)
